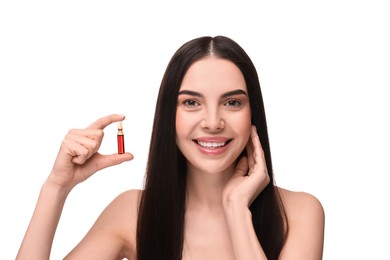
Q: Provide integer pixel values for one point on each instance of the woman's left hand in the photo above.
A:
(250, 176)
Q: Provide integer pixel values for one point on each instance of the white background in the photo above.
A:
(324, 71)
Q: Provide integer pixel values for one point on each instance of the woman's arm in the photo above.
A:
(306, 218)
(38, 239)
(243, 236)
(245, 185)
(76, 161)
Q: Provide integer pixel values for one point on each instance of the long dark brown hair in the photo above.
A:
(160, 229)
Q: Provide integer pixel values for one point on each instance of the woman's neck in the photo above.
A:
(204, 190)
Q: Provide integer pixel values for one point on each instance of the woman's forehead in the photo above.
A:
(213, 73)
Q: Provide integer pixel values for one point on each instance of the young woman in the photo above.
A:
(209, 191)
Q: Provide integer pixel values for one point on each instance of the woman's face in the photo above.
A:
(213, 116)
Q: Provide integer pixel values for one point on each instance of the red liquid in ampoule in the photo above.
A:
(121, 144)
(121, 139)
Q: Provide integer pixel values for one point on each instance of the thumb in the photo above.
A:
(99, 161)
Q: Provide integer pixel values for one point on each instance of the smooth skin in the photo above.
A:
(213, 106)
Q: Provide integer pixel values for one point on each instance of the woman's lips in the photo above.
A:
(212, 146)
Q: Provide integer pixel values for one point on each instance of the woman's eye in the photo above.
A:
(233, 103)
(190, 103)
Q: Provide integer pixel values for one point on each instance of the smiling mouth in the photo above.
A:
(212, 145)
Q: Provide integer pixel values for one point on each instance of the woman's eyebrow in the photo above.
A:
(191, 93)
(227, 94)
(234, 92)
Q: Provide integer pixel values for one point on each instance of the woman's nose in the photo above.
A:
(212, 121)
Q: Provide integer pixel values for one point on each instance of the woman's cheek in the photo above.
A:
(182, 126)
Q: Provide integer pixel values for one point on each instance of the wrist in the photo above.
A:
(236, 210)
(234, 202)
(51, 185)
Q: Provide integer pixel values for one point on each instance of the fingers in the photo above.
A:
(78, 157)
(249, 152)
(82, 144)
(256, 145)
(256, 154)
(105, 121)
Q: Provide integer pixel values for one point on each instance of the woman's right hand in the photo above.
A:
(78, 157)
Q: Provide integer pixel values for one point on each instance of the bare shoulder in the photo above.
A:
(306, 221)
(125, 214)
(125, 205)
(128, 199)
(115, 228)
(298, 204)
(124, 211)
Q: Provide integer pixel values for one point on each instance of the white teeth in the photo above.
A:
(210, 144)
